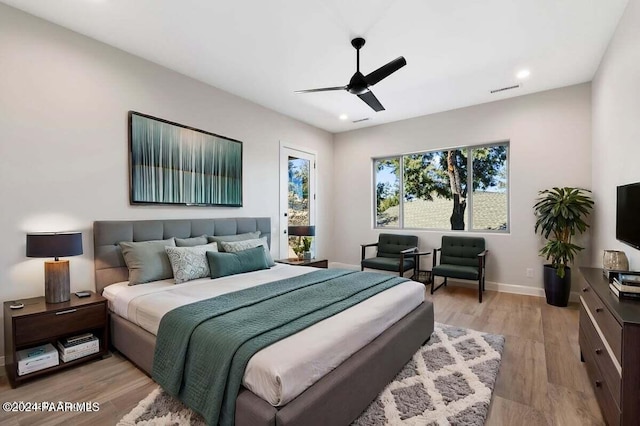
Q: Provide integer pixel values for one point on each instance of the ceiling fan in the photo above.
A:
(359, 83)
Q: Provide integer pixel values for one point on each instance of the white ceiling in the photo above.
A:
(456, 51)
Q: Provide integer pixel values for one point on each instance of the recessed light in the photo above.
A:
(343, 117)
(522, 74)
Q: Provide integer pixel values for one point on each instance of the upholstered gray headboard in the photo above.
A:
(109, 264)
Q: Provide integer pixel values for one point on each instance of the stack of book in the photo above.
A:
(75, 347)
(38, 358)
(626, 286)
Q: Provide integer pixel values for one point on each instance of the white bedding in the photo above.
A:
(280, 372)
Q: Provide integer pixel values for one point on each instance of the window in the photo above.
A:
(457, 189)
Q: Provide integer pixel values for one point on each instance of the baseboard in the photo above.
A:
(511, 288)
(338, 265)
(489, 285)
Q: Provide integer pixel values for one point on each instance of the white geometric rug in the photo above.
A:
(449, 381)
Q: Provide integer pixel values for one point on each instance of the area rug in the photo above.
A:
(449, 381)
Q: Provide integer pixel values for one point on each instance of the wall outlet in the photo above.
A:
(529, 272)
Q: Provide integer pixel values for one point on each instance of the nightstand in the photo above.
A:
(40, 323)
(316, 263)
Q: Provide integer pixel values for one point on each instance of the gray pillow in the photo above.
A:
(147, 260)
(236, 246)
(223, 264)
(238, 237)
(191, 242)
(190, 263)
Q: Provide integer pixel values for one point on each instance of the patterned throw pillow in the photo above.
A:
(190, 263)
(236, 246)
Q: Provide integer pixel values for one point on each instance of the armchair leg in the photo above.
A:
(433, 283)
(480, 290)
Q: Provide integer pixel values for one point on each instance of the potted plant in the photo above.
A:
(302, 248)
(560, 213)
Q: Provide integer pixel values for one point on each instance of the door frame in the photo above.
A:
(287, 150)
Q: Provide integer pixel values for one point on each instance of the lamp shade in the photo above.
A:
(54, 244)
(302, 231)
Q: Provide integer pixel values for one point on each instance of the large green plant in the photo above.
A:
(561, 213)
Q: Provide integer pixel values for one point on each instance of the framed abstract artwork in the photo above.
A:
(179, 165)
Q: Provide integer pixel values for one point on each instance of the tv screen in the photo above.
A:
(628, 214)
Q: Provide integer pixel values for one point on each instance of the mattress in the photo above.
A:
(280, 372)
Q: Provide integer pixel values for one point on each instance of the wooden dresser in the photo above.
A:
(610, 347)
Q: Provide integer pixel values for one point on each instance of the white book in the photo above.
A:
(625, 288)
(69, 349)
(629, 277)
(36, 358)
(77, 355)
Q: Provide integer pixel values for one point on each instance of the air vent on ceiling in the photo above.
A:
(362, 119)
(505, 88)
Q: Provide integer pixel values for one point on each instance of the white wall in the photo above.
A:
(63, 143)
(616, 130)
(550, 134)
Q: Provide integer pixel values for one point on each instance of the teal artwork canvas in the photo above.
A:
(175, 164)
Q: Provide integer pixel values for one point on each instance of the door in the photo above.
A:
(297, 195)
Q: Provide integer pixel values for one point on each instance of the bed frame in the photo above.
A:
(336, 399)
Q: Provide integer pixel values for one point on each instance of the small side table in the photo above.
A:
(40, 322)
(421, 275)
(316, 263)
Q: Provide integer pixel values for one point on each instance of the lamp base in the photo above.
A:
(56, 281)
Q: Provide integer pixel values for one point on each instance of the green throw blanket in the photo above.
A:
(202, 348)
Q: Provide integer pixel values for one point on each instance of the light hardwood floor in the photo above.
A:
(541, 379)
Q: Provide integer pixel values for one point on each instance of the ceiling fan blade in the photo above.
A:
(385, 70)
(370, 99)
(324, 89)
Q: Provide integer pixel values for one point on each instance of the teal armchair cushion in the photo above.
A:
(456, 271)
(388, 256)
(461, 251)
(390, 245)
(387, 263)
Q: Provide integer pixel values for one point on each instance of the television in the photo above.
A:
(628, 214)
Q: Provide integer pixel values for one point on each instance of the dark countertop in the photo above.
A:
(624, 310)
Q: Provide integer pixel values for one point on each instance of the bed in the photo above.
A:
(338, 397)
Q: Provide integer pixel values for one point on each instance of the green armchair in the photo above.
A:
(394, 254)
(462, 258)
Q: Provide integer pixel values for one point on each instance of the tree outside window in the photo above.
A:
(435, 189)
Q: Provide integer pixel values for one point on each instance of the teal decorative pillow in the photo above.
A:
(191, 242)
(147, 260)
(239, 237)
(189, 263)
(223, 264)
(236, 246)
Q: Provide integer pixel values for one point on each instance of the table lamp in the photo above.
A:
(302, 231)
(56, 272)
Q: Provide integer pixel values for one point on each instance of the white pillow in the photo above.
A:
(236, 246)
(190, 263)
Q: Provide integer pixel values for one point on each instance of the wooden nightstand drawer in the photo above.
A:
(605, 320)
(64, 322)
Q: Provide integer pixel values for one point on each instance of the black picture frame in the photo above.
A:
(174, 164)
